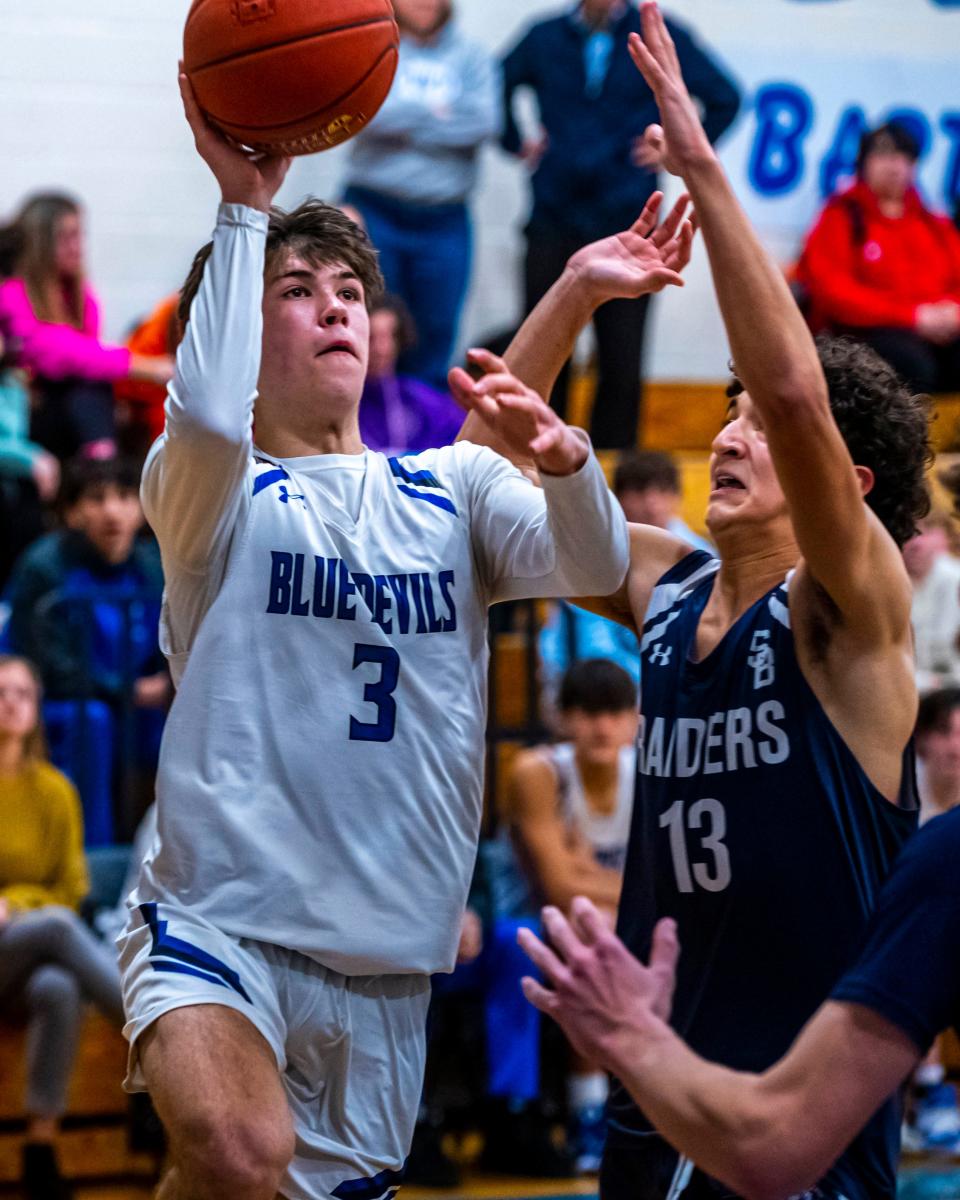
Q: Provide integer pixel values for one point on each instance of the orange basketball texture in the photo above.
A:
(290, 76)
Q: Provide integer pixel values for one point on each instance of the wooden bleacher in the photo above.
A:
(93, 1145)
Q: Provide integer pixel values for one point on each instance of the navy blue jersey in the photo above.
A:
(909, 971)
(757, 830)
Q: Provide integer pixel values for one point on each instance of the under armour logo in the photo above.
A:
(661, 655)
(762, 660)
(285, 496)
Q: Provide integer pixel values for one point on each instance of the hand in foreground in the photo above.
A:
(244, 176)
(644, 258)
(517, 416)
(5, 912)
(605, 1000)
(679, 139)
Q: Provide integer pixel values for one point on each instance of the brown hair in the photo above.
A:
(35, 743)
(28, 251)
(317, 232)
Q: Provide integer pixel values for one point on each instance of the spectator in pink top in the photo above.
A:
(50, 319)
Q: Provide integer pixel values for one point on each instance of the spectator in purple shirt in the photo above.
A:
(399, 414)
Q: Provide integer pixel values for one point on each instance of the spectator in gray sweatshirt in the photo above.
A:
(412, 170)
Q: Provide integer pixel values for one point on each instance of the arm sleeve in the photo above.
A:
(909, 971)
(57, 351)
(827, 270)
(515, 72)
(194, 483)
(476, 115)
(719, 96)
(568, 539)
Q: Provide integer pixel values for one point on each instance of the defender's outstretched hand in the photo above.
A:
(679, 138)
(644, 258)
(245, 177)
(517, 416)
(605, 1000)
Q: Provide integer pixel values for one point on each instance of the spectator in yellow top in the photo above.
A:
(50, 962)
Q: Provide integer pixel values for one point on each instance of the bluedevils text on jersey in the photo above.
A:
(756, 829)
(320, 782)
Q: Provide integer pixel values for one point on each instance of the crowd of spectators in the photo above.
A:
(81, 580)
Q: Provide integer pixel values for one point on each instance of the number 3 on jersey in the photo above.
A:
(708, 820)
(380, 693)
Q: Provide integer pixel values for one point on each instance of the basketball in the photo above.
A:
(290, 76)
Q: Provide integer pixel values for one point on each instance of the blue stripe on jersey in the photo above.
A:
(166, 947)
(439, 501)
(369, 1188)
(262, 482)
(421, 478)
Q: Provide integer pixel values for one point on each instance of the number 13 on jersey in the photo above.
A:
(705, 821)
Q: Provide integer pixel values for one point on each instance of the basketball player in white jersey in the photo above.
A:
(319, 791)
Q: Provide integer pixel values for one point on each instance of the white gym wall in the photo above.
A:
(88, 103)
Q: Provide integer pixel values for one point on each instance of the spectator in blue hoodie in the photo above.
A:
(412, 171)
(85, 607)
(592, 173)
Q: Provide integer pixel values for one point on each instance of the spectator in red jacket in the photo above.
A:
(881, 267)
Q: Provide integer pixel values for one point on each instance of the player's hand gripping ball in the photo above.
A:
(290, 76)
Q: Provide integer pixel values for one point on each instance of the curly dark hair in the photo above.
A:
(319, 233)
(885, 426)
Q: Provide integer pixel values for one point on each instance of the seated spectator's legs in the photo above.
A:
(948, 361)
(54, 1008)
(81, 735)
(54, 936)
(547, 252)
(76, 416)
(436, 274)
(619, 325)
(911, 356)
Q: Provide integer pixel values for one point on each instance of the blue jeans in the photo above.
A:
(425, 256)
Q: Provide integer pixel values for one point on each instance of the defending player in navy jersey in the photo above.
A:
(320, 783)
(775, 783)
(775, 1134)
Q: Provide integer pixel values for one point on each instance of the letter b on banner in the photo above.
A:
(784, 116)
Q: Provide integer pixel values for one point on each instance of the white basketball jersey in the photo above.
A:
(607, 833)
(320, 781)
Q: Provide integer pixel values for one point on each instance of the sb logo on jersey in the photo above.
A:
(660, 655)
(761, 659)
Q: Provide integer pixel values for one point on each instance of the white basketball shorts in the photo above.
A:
(350, 1049)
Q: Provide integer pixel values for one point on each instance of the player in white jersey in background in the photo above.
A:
(320, 784)
(569, 813)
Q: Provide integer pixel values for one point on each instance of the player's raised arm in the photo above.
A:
(193, 480)
(566, 538)
(845, 548)
(643, 259)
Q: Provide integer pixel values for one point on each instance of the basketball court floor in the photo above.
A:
(918, 1182)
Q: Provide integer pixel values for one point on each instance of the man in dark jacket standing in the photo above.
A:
(592, 172)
